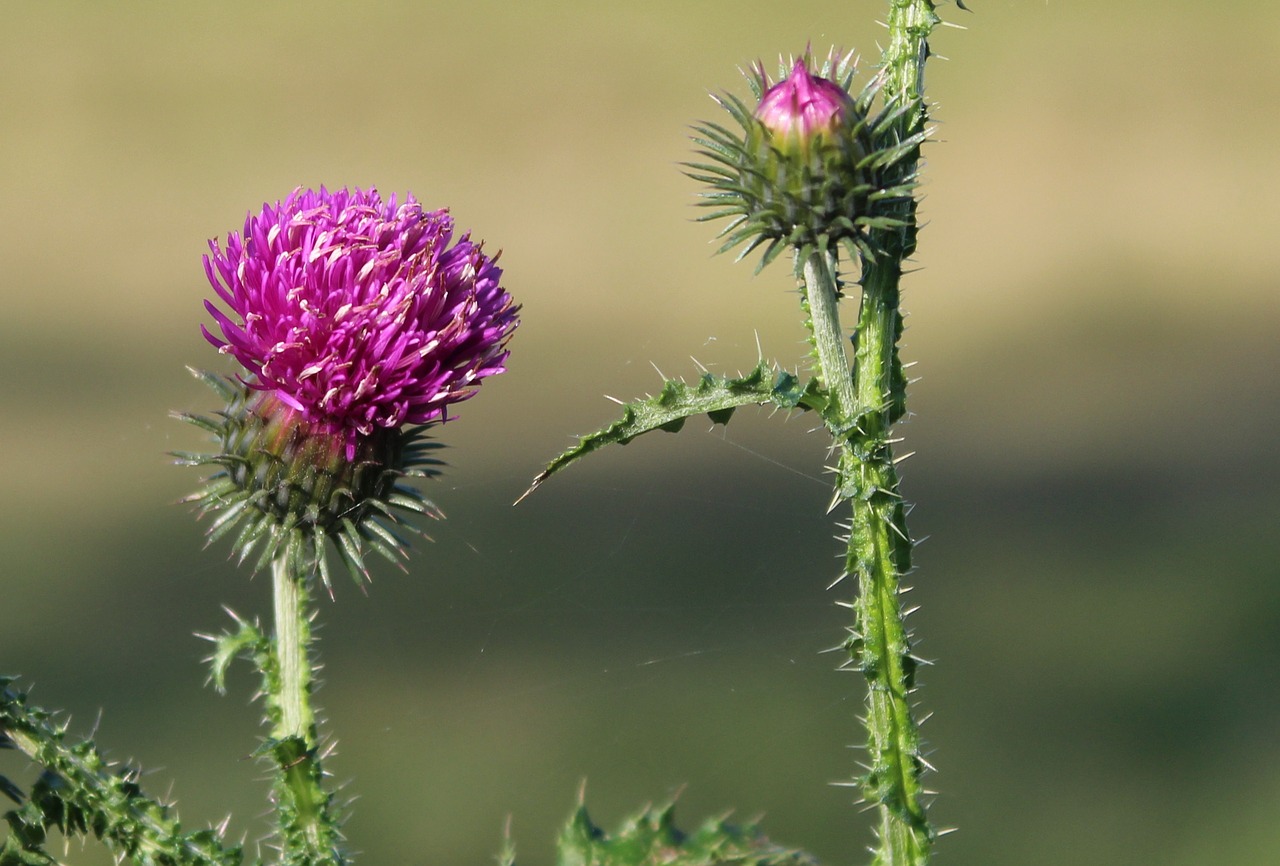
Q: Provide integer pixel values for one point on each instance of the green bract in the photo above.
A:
(290, 484)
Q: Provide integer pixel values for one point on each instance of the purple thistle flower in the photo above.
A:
(358, 313)
(359, 322)
(803, 105)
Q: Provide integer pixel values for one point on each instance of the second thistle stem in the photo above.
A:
(822, 294)
(879, 547)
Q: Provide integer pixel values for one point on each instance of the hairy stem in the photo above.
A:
(910, 23)
(293, 633)
(822, 297)
(308, 830)
(879, 554)
(879, 546)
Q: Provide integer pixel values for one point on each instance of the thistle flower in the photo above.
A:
(358, 322)
(810, 166)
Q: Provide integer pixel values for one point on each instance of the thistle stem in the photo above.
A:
(293, 633)
(822, 296)
(879, 548)
(308, 830)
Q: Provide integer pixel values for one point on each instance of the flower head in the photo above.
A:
(804, 105)
(357, 312)
(359, 322)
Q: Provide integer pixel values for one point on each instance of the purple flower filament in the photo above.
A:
(359, 313)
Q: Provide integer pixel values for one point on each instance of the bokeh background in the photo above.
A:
(1094, 327)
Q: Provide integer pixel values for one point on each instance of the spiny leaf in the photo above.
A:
(248, 640)
(714, 396)
(651, 838)
(80, 793)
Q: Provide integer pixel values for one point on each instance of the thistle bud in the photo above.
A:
(358, 323)
(802, 107)
(810, 166)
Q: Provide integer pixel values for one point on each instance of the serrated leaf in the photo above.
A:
(714, 396)
(651, 838)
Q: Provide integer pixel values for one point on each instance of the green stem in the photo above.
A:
(822, 297)
(879, 548)
(309, 832)
(910, 23)
(293, 633)
(880, 553)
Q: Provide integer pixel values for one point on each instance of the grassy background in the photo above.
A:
(1095, 331)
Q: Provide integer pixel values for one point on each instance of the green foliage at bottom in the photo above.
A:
(651, 838)
(81, 793)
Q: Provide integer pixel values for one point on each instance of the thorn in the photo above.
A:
(838, 580)
(532, 487)
(661, 375)
(616, 400)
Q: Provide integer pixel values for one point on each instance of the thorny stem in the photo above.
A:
(910, 23)
(822, 296)
(292, 635)
(868, 400)
(878, 547)
(308, 829)
(880, 554)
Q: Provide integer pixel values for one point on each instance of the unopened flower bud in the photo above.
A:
(803, 106)
(810, 167)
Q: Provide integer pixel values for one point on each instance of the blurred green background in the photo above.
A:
(1095, 331)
